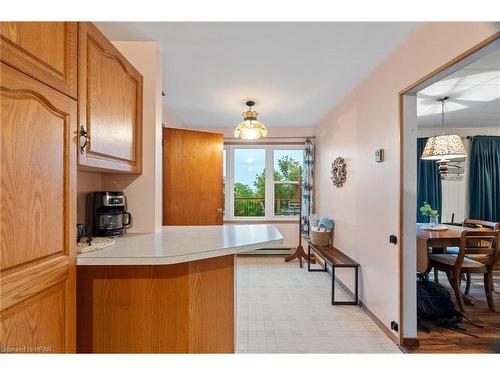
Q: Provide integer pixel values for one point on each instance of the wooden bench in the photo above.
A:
(336, 259)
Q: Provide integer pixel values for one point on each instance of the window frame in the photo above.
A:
(270, 183)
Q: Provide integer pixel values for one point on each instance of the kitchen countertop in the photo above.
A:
(178, 244)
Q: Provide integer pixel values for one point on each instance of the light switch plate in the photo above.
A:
(379, 155)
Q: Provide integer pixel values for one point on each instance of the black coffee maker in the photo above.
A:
(107, 214)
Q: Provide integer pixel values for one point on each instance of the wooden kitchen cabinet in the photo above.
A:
(109, 105)
(187, 307)
(46, 51)
(37, 216)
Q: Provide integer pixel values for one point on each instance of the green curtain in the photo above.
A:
(428, 183)
(484, 178)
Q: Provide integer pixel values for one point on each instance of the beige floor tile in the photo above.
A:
(284, 309)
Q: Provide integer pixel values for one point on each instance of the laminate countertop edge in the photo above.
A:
(183, 244)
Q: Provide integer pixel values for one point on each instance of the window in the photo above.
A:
(287, 165)
(249, 182)
(264, 181)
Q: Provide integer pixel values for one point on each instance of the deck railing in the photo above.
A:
(256, 207)
(249, 206)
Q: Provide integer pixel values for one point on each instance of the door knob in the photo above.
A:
(219, 210)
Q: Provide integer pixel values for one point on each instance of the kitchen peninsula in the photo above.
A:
(167, 292)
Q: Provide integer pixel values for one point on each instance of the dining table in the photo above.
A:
(427, 238)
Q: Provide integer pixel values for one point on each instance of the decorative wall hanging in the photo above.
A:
(338, 172)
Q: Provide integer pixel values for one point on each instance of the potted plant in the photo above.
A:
(427, 210)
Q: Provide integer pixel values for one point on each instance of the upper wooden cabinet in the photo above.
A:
(46, 51)
(109, 105)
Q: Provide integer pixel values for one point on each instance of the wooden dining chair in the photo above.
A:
(457, 264)
(483, 224)
(473, 223)
(476, 224)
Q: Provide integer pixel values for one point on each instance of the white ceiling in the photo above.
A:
(296, 72)
(474, 96)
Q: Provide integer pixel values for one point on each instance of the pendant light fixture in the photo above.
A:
(250, 128)
(444, 147)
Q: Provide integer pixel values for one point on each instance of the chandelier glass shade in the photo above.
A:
(444, 147)
(250, 128)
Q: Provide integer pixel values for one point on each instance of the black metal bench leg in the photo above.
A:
(333, 284)
(356, 286)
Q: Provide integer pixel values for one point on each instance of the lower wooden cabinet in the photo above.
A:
(180, 308)
(38, 134)
(109, 105)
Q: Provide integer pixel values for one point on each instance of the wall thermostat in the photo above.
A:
(379, 155)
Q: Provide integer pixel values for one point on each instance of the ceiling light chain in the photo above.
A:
(443, 100)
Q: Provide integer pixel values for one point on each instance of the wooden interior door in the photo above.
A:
(37, 216)
(192, 177)
(45, 51)
(109, 104)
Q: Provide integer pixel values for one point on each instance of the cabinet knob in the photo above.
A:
(219, 210)
(84, 140)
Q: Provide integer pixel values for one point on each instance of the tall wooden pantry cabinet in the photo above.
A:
(37, 196)
(68, 100)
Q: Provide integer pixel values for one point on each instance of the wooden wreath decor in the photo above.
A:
(338, 172)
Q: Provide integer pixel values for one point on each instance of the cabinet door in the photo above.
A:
(45, 51)
(109, 105)
(37, 215)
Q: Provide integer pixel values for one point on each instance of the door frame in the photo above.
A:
(407, 206)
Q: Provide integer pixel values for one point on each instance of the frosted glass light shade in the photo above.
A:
(250, 130)
(444, 147)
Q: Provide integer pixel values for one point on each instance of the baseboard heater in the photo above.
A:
(271, 251)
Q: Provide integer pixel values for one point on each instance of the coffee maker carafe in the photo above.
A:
(107, 214)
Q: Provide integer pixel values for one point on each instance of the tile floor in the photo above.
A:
(284, 309)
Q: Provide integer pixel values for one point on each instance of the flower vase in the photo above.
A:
(433, 221)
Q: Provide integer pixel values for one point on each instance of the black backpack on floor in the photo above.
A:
(434, 304)
(433, 301)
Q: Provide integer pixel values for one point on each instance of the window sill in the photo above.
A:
(261, 221)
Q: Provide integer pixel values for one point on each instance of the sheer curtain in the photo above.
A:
(484, 178)
(428, 183)
(307, 186)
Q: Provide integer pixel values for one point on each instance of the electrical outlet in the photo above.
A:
(394, 326)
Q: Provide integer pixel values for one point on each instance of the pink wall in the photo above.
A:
(366, 208)
(86, 182)
(170, 120)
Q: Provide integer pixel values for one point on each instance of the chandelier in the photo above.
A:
(444, 147)
(250, 128)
